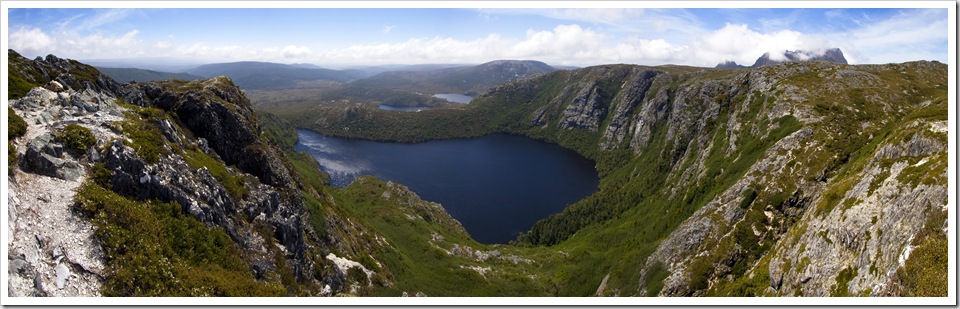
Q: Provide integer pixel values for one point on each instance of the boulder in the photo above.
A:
(63, 273)
(45, 157)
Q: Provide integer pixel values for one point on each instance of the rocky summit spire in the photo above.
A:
(830, 55)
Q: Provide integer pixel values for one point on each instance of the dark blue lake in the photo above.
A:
(497, 186)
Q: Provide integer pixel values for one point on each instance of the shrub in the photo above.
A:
(11, 155)
(147, 140)
(100, 175)
(77, 138)
(17, 126)
(748, 198)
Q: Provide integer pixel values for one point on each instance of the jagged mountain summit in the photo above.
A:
(834, 55)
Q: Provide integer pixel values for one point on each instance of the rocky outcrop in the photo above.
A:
(220, 118)
(216, 111)
(584, 110)
(638, 84)
(69, 74)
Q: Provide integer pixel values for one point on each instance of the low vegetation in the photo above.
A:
(146, 138)
(16, 126)
(154, 248)
(77, 138)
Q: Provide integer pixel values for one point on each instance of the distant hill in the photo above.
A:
(466, 80)
(730, 65)
(267, 75)
(565, 67)
(143, 75)
(371, 70)
(831, 55)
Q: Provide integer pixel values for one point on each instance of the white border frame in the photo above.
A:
(951, 299)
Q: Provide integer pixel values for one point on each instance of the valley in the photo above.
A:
(791, 179)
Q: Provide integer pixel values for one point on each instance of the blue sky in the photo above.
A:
(581, 37)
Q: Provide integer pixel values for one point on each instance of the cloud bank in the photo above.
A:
(581, 41)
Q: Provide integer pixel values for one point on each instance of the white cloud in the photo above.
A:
(33, 41)
(387, 28)
(563, 43)
(30, 41)
(105, 17)
(565, 40)
(292, 51)
(910, 35)
(648, 52)
(741, 44)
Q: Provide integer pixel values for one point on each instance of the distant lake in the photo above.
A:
(402, 108)
(454, 97)
(497, 186)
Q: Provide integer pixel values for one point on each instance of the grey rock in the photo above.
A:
(169, 131)
(584, 110)
(18, 266)
(63, 273)
(36, 98)
(203, 145)
(46, 157)
(635, 90)
(38, 286)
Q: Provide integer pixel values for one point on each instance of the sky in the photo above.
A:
(338, 37)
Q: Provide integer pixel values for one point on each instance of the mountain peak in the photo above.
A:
(834, 55)
(830, 55)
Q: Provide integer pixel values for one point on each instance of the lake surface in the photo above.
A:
(497, 186)
(454, 97)
(402, 108)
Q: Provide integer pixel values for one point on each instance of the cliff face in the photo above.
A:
(824, 175)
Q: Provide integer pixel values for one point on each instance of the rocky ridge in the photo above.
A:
(53, 251)
(209, 157)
